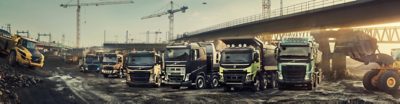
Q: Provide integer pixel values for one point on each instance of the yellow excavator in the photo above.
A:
(386, 78)
(20, 50)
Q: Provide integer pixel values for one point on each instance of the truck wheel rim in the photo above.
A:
(215, 82)
(200, 83)
(391, 82)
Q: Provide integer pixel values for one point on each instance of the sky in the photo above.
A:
(46, 16)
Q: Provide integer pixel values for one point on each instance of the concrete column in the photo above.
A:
(325, 64)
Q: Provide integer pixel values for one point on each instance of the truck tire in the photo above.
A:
(272, 81)
(256, 85)
(263, 81)
(367, 80)
(214, 82)
(158, 82)
(200, 82)
(389, 82)
(12, 58)
(121, 74)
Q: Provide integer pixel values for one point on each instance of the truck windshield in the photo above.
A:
(177, 54)
(92, 59)
(235, 58)
(28, 44)
(110, 59)
(140, 61)
(294, 51)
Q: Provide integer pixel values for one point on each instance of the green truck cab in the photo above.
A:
(298, 60)
(143, 68)
(241, 65)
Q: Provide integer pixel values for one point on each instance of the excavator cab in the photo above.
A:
(396, 54)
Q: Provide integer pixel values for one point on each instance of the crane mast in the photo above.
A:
(78, 10)
(171, 13)
(266, 7)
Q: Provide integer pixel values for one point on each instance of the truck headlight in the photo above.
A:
(187, 77)
(98, 68)
(307, 76)
(280, 77)
(86, 68)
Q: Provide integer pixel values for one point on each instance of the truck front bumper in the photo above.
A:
(183, 83)
(280, 81)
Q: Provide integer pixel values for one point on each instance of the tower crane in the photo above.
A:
(266, 7)
(78, 6)
(171, 13)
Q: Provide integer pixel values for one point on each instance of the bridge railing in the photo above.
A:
(292, 9)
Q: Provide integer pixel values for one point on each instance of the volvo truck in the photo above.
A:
(143, 68)
(112, 64)
(298, 60)
(91, 63)
(20, 50)
(186, 65)
(242, 64)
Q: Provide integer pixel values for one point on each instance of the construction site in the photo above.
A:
(200, 51)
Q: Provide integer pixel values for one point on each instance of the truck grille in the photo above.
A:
(92, 67)
(140, 76)
(294, 72)
(234, 77)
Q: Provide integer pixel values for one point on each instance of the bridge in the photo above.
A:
(317, 15)
(311, 15)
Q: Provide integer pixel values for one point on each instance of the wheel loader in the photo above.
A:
(387, 77)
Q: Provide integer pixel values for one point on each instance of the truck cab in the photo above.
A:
(186, 65)
(143, 68)
(298, 60)
(112, 64)
(91, 63)
(241, 64)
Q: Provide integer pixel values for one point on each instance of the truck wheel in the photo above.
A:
(272, 81)
(214, 82)
(12, 58)
(200, 82)
(158, 82)
(389, 82)
(175, 87)
(256, 85)
(263, 81)
(121, 74)
(367, 80)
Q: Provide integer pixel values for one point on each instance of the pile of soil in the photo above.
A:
(11, 81)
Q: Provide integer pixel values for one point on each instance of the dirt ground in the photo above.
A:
(63, 83)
